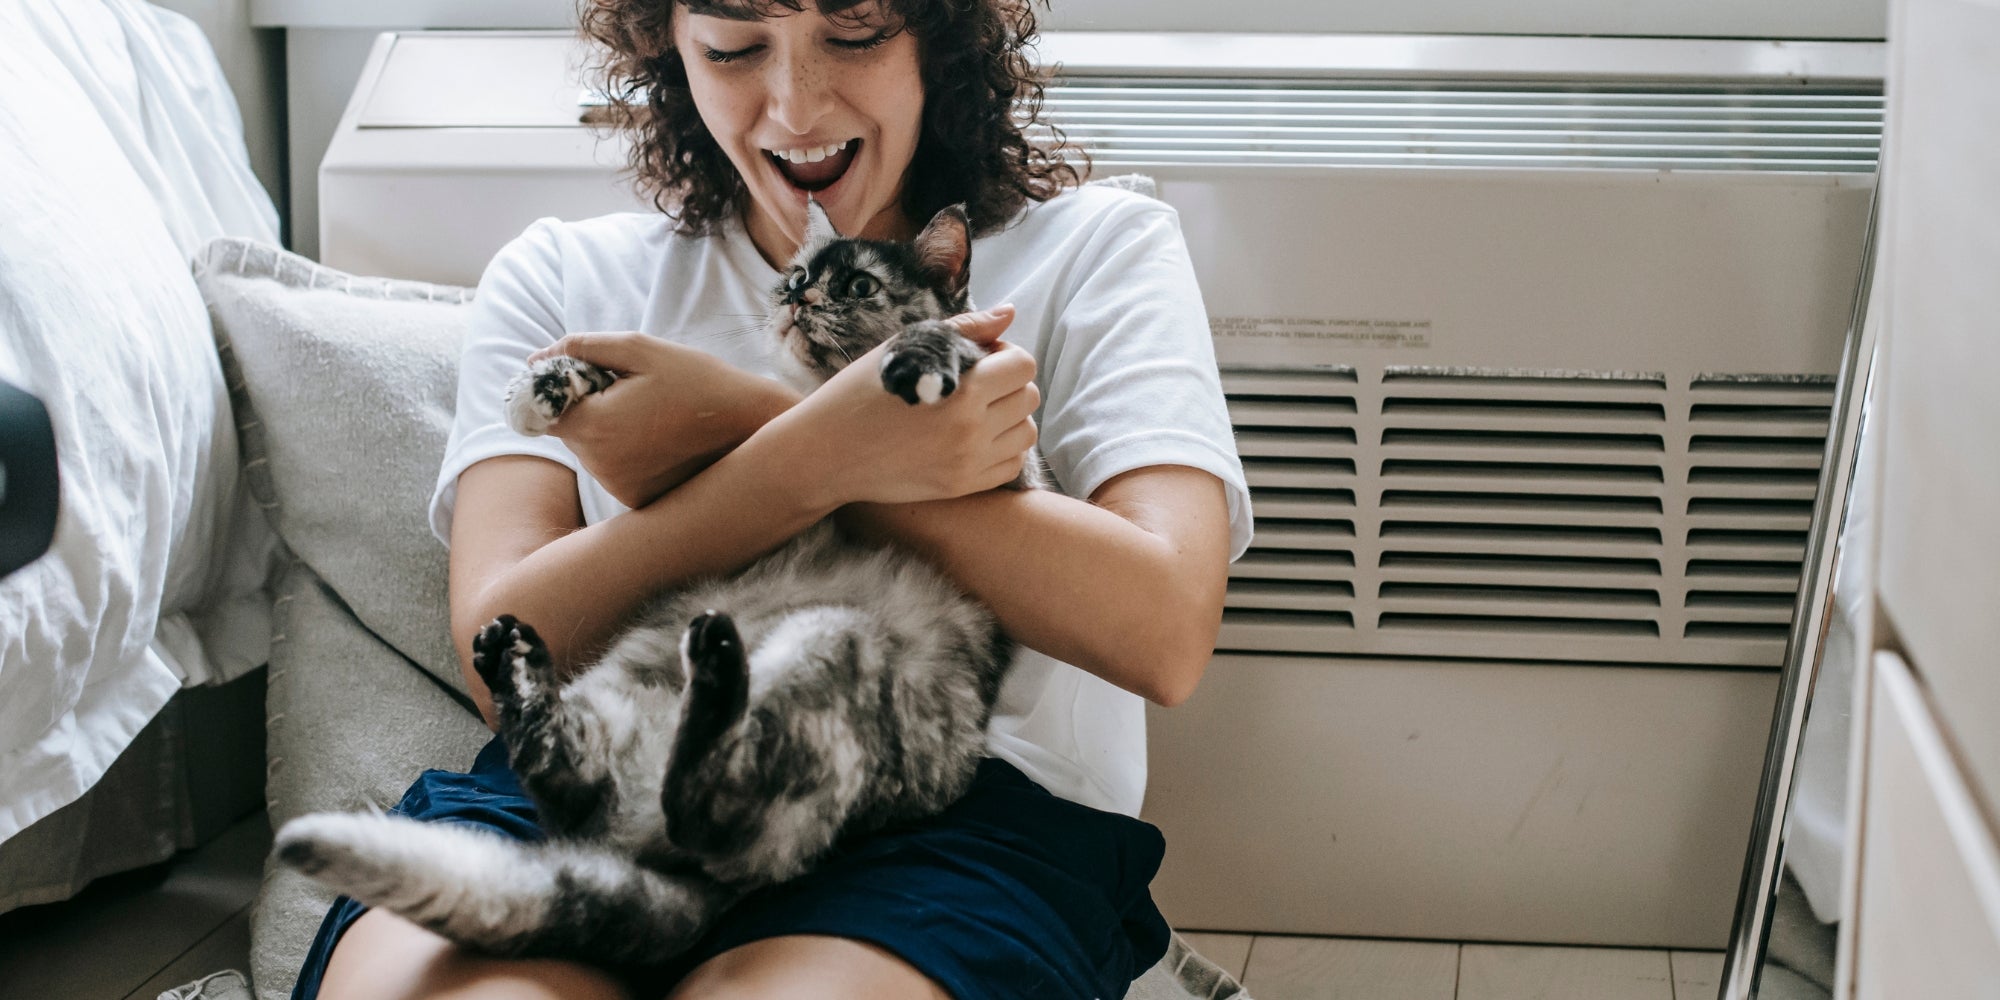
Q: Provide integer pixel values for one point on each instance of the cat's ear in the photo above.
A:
(819, 229)
(944, 248)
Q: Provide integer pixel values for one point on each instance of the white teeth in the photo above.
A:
(809, 155)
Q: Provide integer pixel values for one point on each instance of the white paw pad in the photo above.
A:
(527, 413)
(930, 387)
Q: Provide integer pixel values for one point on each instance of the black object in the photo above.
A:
(28, 488)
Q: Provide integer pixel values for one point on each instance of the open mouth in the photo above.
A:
(815, 169)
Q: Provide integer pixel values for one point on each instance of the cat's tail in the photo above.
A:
(501, 896)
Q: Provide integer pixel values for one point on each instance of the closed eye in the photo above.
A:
(875, 40)
(862, 44)
(731, 55)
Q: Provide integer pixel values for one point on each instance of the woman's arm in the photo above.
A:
(1127, 585)
(518, 546)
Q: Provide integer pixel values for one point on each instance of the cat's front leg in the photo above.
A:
(922, 364)
(540, 394)
(542, 732)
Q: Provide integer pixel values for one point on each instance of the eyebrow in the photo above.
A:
(727, 11)
(758, 10)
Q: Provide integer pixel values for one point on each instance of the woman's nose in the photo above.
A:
(797, 85)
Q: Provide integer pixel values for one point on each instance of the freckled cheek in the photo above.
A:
(896, 103)
(722, 109)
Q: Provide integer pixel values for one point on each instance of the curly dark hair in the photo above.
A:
(981, 95)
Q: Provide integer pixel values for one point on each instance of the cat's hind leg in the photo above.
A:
(758, 795)
(543, 733)
(502, 896)
(540, 393)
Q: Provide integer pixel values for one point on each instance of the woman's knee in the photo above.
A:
(384, 957)
(807, 967)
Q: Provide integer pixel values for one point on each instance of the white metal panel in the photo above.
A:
(1929, 919)
(1718, 18)
(1240, 49)
(1458, 801)
(1462, 512)
(1141, 122)
(1672, 18)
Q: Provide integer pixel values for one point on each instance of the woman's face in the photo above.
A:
(806, 104)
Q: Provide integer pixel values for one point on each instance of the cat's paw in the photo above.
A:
(918, 376)
(539, 395)
(345, 851)
(510, 657)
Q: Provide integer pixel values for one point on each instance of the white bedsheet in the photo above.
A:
(121, 154)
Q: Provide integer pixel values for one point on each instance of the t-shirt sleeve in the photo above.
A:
(1128, 373)
(516, 311)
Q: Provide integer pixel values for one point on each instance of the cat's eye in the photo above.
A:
(795, 281)
(862, 285)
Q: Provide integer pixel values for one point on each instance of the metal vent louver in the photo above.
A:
(1624, 517)
(1139, 123)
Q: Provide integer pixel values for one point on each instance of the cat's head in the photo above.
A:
(842, 296)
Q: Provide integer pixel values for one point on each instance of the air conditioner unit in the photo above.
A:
(1529, 345)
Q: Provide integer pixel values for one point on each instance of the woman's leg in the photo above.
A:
(384, 957)
(807, 967)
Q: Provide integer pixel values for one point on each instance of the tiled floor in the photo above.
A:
(1275, 967)
(130, 937)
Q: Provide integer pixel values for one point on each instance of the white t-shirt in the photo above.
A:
(1106, 301)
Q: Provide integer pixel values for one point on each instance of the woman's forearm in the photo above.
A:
(1089, 586)
(575, 590)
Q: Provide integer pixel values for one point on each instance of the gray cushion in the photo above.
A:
(344, 389)
(351, 726)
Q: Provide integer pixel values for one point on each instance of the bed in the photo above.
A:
(122, 154)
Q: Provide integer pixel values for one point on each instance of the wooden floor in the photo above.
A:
(130, 937)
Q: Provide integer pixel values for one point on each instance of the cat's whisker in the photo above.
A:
(738, 333)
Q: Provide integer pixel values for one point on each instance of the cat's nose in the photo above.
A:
(812, 296)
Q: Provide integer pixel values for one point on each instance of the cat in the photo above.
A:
(843, 689)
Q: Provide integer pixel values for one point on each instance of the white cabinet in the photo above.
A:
(1926, 913)
(1930, 902)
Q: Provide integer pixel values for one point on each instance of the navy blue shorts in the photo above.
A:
(1010, 893)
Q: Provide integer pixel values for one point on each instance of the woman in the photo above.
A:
(696, 463)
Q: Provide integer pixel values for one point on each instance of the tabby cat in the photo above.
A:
(739, 727)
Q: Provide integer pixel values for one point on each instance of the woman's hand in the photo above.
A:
(860, 443)
(673, 411)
